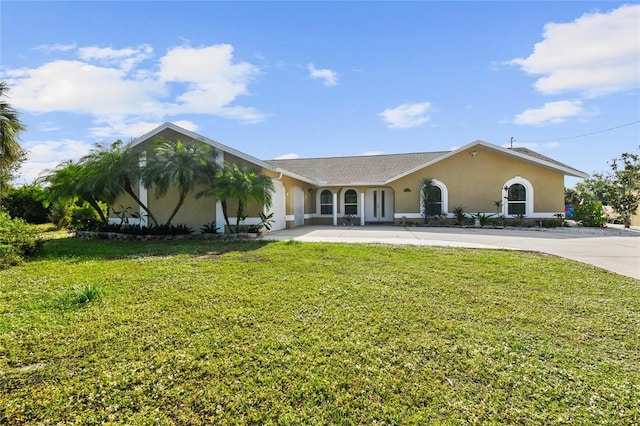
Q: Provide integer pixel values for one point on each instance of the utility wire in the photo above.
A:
(585, 134)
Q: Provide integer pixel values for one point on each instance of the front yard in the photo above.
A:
(203, 332)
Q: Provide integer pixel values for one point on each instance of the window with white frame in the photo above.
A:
(351, 202)
(517, 200)
(326, 202)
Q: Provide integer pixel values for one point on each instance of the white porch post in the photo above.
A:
(220, 223)
(362, 210)
(335, 209)
(144, 196)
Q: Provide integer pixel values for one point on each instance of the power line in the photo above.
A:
(585, 134)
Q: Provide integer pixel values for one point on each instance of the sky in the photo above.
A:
(296, 79)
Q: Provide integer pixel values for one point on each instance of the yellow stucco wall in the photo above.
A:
(474, 183)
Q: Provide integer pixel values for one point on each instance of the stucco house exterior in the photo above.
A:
(377, 189)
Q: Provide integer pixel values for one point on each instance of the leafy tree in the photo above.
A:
(623, 188)
(112, 170)
(26, 203)
(185, 166)
(241, 184)
(70, 181)
(571, 197)
(11, 152)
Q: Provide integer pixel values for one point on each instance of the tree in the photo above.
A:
(241, 184)
(185, 166)
(428, 193)
(25, 202)
(11, 152)
(112, 170)
(623, 188)
(68, 182)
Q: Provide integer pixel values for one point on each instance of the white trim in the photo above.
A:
(343, 191)
(335, 208)
(319, 192)
(197, 137)
(144, 193)
(528, 206)
(289, 217)
(444, 197)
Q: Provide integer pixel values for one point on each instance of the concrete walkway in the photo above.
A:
(614, 249)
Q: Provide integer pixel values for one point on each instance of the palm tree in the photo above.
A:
(67, 182)
(10, 127)
(185, 166)
(112, 170)
(427, 187)
(242, 184)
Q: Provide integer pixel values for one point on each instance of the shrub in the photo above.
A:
(17, 241)
(590, 213)
(85, 218)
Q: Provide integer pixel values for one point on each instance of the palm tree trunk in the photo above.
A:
(239, 215)
(93, 203)
(225, 214)
(175, 210)
(129, 191)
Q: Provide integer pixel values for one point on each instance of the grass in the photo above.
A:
(201, 332)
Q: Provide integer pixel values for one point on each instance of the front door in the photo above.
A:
(379, 206)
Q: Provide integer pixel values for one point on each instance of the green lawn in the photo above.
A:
(297, 333)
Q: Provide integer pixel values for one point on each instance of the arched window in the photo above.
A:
(438, 199)
(326, 202)
(351, 202)
(517, 200)
(517, 194)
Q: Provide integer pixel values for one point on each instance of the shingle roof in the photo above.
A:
(380, 169)
(369, 169)
(538, 156)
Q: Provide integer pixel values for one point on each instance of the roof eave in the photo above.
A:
(206, 140)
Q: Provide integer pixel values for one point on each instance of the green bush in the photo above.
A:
(17, 241)
(25, 202)
(85, 218)
(590, 213)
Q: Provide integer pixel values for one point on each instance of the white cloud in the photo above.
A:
(125, 59)
(367, 153)
(44, 155)
(287, 157)
(406, 115)
(48, 48)
(113, 87)
(595, 55)
(330, 77)
(551, 112)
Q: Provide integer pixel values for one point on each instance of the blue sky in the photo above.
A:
(316, 79)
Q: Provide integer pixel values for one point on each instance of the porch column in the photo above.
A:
(362, 210)
(335, 209)
(142, 190)
(220, 223)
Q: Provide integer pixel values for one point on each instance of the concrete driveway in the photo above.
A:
(614, 249)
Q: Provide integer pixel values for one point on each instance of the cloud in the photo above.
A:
(330, 77)
(121, 87)
(43, 155)
(594, 55)
(367, 153)
(287, 157)
(406, 115)
(551, 112)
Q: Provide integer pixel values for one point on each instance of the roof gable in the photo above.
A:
(383, 169)
(196, 137)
